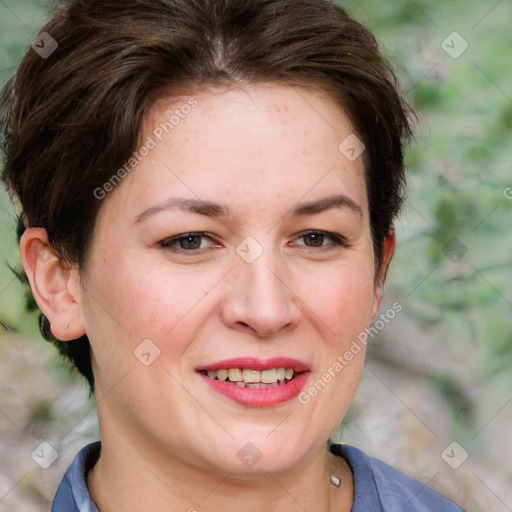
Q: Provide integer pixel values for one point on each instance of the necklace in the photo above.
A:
(335, 481)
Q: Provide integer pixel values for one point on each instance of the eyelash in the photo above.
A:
(170, 243)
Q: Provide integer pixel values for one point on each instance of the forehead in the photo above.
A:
(252, 145)
(291, 111)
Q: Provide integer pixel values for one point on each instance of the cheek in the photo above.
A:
(141, 301)
(342, 299)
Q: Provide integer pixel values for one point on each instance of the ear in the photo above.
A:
(54, 285)
(388, 248)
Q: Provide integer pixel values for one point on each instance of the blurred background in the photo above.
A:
(436, 397)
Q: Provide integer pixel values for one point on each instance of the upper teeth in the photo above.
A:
(252, 376)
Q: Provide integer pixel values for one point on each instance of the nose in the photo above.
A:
(260, 299)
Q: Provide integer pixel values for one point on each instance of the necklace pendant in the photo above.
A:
(335, 481)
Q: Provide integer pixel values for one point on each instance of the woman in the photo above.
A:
(208, 190)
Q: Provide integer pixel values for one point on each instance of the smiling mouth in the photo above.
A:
(248, 378)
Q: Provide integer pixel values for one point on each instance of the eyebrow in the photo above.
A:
(334, 201)
(211, 209)
(199, 206)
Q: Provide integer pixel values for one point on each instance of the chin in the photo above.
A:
(262, 452)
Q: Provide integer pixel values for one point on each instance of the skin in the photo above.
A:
(169, 441)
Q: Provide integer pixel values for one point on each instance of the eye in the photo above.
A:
(188, 242)
(316, 238)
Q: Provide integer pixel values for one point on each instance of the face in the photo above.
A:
(240, 241)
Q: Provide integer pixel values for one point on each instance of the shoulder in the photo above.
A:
(72, 494)
(380, 487)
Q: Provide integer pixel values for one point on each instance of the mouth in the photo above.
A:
(253, 382)
(251, 378)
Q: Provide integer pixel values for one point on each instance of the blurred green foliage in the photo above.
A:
(453, 260)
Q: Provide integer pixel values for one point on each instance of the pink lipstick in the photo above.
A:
(253, 382)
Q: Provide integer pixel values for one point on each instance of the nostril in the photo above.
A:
(244, 326)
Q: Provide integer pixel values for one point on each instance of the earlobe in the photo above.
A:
(388, 248)
(54, 285)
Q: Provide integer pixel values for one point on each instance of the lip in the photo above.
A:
(253, 363)
(257, 397)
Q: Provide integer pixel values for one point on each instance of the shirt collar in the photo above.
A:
(72, 494)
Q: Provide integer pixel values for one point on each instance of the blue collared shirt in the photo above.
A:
(378, 487)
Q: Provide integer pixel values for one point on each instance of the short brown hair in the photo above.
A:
(71, 119)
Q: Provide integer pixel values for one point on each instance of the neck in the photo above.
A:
(129, 477)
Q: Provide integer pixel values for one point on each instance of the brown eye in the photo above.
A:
(187, 242)
(320, 239)
(190, 242)
(314, 239)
